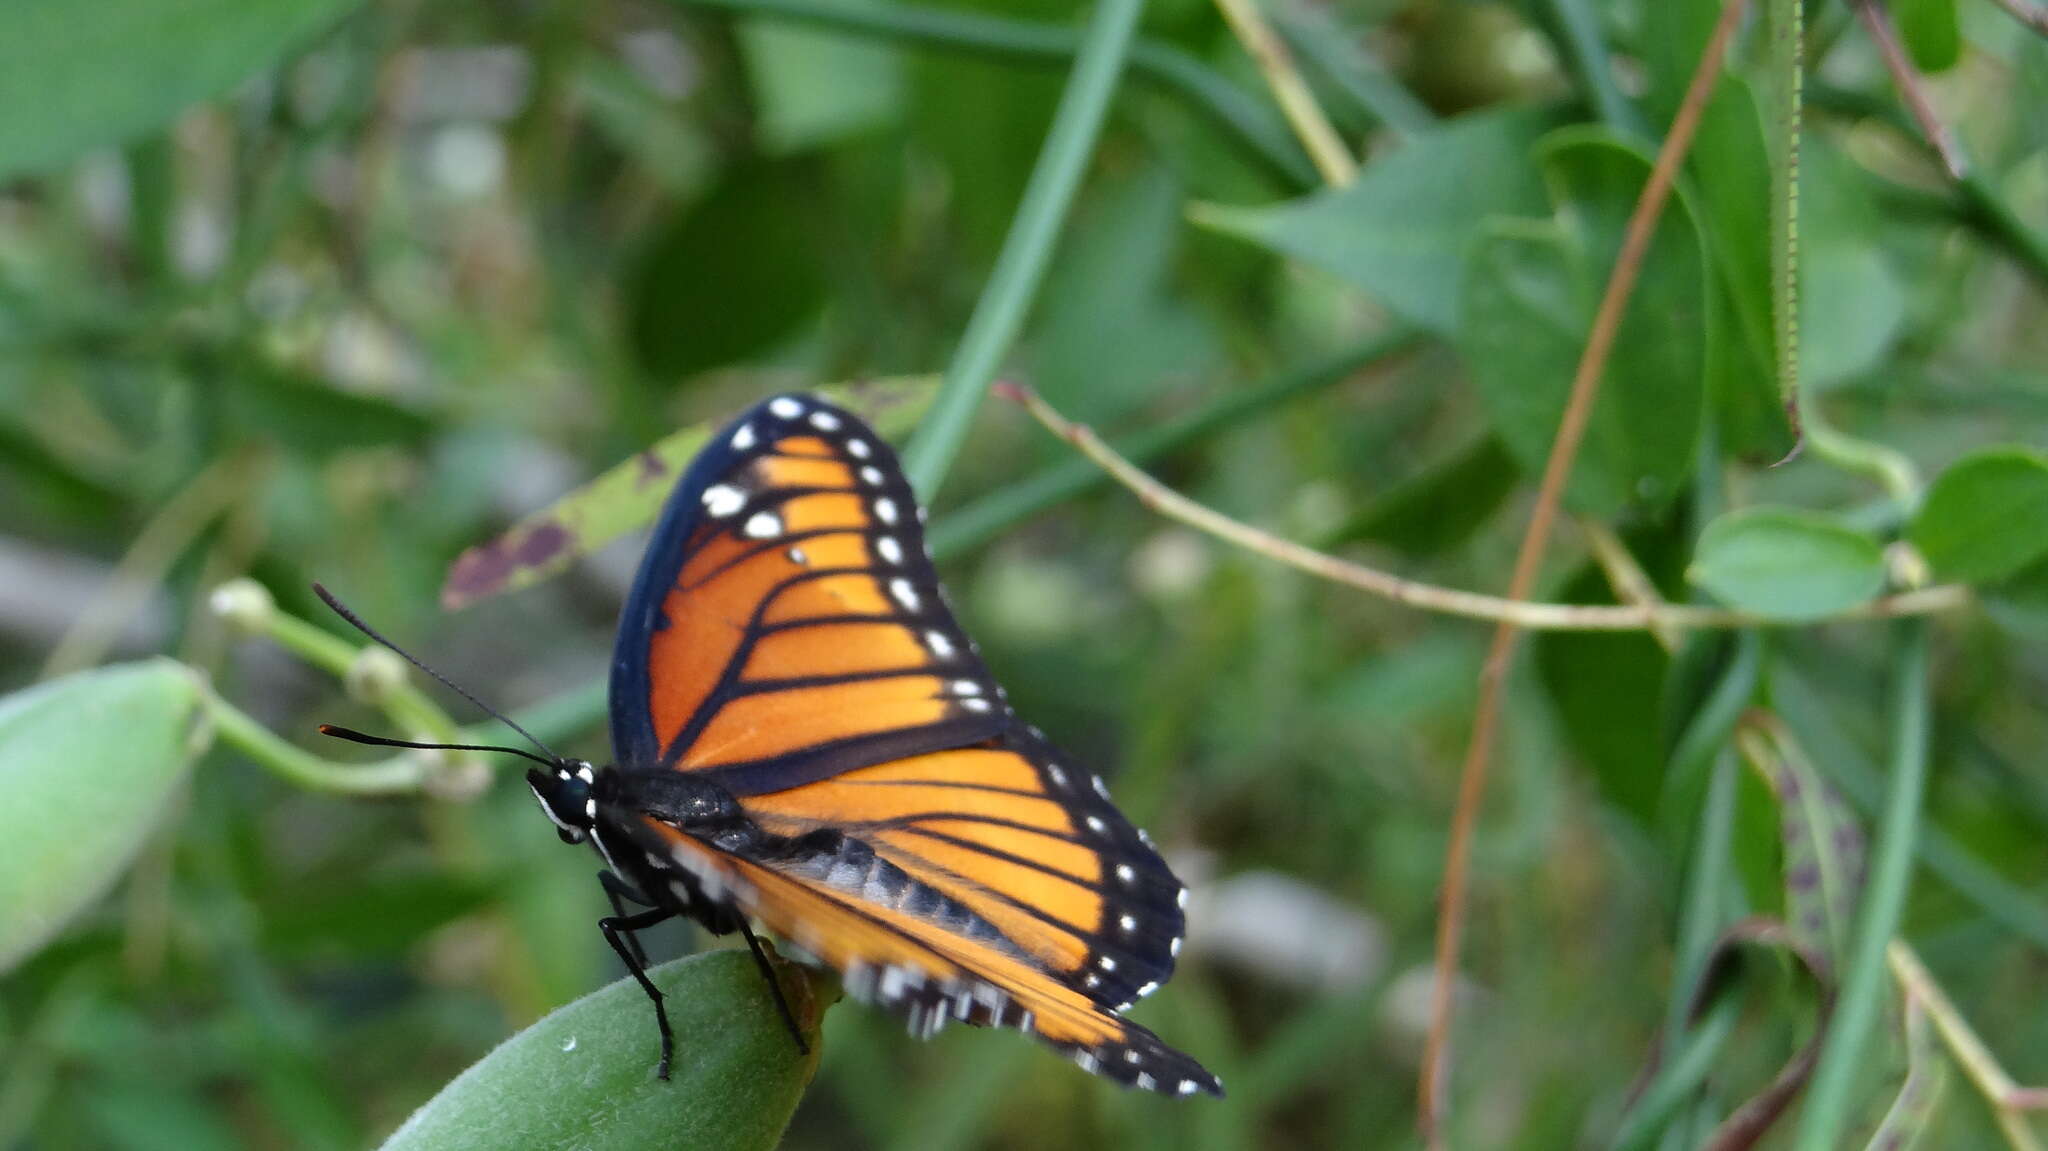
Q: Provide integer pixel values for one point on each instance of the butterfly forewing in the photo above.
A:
(786, 624)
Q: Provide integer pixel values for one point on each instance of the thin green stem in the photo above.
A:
(1250, 121)
(398, 775)
(985, 518)
(1707, 874)
(999, 313)
(1340, 57)
(404, 702)
(1686, 1066)
(1883, 903)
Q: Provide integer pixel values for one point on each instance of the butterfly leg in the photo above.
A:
(621, 893)
(775, 986)
(617, 931)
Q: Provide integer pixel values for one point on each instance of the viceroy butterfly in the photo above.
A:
(805, 739)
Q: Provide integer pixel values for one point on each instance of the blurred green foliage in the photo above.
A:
(340, 290)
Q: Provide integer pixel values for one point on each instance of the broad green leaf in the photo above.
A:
(87, 764)
(1930, 32)
(1787, 563)
(1606, 688)
(630, 495)
(1439, 507)
(1851, 301)
(1402, 229)
(1530, 295)
(1730, 166)
(74, 77)
(583, 1076)
(731, 275)
(813, 88)
(1986, 517)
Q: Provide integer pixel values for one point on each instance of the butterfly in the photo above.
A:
(805, 739)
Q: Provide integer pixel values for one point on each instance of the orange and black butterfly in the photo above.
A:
(806, 740)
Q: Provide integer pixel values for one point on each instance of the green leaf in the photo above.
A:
(1439, 507)
(731, 275)
(1851, 301)
(1402, 229)
(1822, 843)
(1607, 688)
(812, 88)
(1986, 517)
(74, 78)
(629, 496)
(1530, 295)
(1930, 32)
(1787, 563)
(87, 763)
(583, 1076)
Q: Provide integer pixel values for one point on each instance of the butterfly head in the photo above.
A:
(568, 796)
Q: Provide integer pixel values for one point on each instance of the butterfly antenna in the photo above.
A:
(355, 621)
(354, 736)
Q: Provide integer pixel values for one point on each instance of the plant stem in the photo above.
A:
(1578, 27)
(1843, 1051)
(1520, 613)
(999, 313)
(1297, 102)
(1979, 1065)
(1687, 1063)
(397, 775)
(963, 528)
(1433, 1101)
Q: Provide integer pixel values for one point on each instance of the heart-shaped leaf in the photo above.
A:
(87, 764)
(583, 1077)
(1986, 517)
(1401, 230)
(1787, 563)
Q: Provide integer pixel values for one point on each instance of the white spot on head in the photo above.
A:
(584, 773)
(1096, 825)
(885, 510)
(889, 549)
(590, 808)
(871, 475)
(940, 645)
(1187, 1087)
(1125, 873)
(744, 438)
(905, 594)
(1128, 922)
(722, 500)
(825, 421)
(762, 525)
(858, 449)
(966, 687)
(786, 407)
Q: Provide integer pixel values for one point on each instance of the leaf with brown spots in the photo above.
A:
(629, 496)
(1821, 840)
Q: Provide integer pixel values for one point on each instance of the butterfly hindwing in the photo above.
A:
(909, 947)
(786, 623)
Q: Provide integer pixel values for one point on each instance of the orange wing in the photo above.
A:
(787, 624)
(933, 944)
